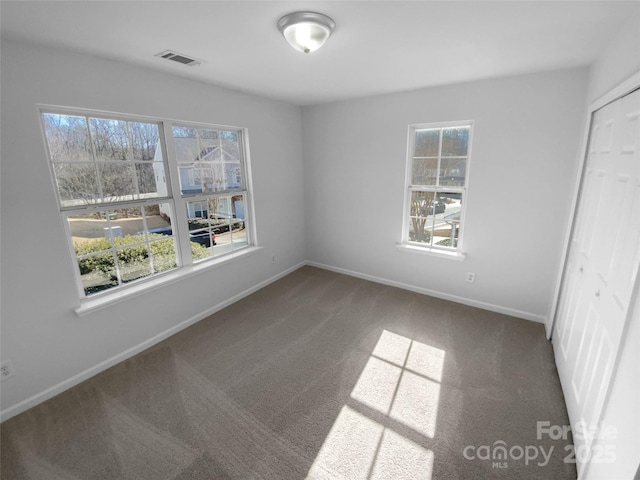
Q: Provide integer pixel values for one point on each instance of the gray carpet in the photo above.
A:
(318, 375)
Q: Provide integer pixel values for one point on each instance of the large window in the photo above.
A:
(437, 167)
(144, 197)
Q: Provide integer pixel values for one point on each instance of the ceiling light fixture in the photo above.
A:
(306, 31)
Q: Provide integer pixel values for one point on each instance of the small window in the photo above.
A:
(135, 208)
(437, 172)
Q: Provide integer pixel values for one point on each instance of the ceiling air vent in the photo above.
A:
(178, 57)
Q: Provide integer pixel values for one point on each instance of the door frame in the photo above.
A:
(629, 85)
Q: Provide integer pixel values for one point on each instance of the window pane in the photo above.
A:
(238, 234)
(193, 145)
(133, 262)
(110, 139)
(77, 183)
(146, 174)
(67, 138)
(447, 226)
(163, 254)
(97, 273)
(158, 216)
(204, 177)
(199, 252)
(426, 143)
(421, 216)
(90, 234)
(208, 134)
(183, 132)
(89, 228)
(453, 171)
(455, 141)
(144, 141)
(232, 175)
(233, 233)
(207, 176)
(216, 225)
(202, 233)
(425, 171)
(117, 181)
(230, 145)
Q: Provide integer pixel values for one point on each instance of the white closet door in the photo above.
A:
(602, 262)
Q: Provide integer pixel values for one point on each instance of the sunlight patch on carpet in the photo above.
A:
(359, 448)
(400, 380)
(350, 447)
(377, 385)
(399, 457)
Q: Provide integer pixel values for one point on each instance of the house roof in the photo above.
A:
(191, 150)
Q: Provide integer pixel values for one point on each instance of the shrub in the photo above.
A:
(162, 249)
(198, 251)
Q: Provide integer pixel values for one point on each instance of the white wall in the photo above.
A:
(41, 334)
(618, 62)
(525, 149)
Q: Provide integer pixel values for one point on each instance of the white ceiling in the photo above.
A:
(378, 46)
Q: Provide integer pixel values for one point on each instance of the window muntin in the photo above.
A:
(437, 168)
(113, 178)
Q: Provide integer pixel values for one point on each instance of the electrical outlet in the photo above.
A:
(6, 370)
(273, 258)
(471, 277)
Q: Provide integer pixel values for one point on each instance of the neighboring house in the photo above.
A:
(204, 168)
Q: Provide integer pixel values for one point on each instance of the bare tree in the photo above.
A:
(98, 160)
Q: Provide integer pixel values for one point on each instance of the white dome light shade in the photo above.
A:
(306, 31)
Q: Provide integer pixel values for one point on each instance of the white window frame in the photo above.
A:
(406, 243)
(177, 204)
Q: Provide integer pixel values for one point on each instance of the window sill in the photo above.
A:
(435, 252)
(92, 304)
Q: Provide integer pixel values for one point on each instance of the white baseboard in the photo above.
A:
(102, 366)
(433, 293)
